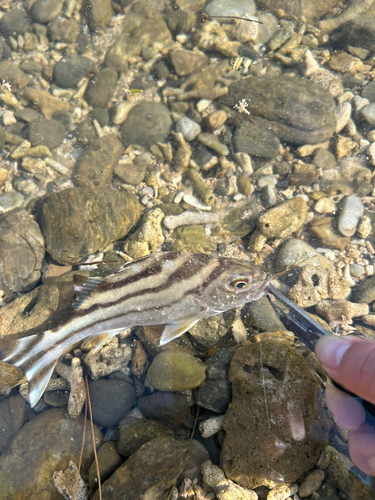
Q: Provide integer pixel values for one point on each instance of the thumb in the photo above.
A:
(350, 361)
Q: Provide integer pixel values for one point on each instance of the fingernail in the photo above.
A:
(330, 350)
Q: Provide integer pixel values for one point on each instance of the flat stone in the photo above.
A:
(109, 460)
(168, 407)
(13, 75)
(13, 23)
(101, 88)
(98, 12)
(186, 62)
(284, 219)
(43, 11)
(45, 132)
(13, 414)
(70, 70)
(294, 109)
(214, 395)
(133, 433)
(255, 142)
(148, 472)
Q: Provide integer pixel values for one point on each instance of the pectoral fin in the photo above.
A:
(174, 330)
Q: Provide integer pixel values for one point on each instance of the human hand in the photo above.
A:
(350, 361)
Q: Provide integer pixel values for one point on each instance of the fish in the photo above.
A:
(174, 289)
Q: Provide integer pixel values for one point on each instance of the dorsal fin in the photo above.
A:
(83, 286)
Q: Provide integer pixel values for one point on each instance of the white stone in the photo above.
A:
(188, 128)
(350, 215)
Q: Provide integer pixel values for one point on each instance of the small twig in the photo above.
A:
(93, 440)
(205, 16)
(81, 455)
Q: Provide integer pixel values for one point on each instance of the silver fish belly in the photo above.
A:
(173, 289)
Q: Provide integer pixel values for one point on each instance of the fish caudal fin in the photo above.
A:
(33, 355)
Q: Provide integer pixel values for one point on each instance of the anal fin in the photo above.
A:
(176, 329)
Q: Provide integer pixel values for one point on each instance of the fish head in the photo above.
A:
(239, 282)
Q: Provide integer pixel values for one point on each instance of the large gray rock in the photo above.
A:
(148, 472)
(294, 109)
(13, 414)
(255, 142)
(45, 444)
(78, 221)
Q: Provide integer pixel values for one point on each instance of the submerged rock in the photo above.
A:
(276, 440)
(13, 414)
(111, 401)
(135, 432)
(148, 472)
(294, 109)
(284, 219)
(45, 444)
(78, 221)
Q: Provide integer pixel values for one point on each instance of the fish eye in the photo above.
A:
(240, 283)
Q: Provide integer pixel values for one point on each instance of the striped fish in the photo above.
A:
(173, 289)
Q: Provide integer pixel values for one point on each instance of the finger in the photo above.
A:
(347, 411)
(350, 361)
(362, 448)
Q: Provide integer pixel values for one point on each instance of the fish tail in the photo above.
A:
(33, 355)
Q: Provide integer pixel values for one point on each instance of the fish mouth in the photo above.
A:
(263, 289)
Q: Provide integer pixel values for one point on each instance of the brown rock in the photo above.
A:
(284, 219)
(322, 228)
(148, 472)
(98, 12)
(273, 438)
(216, 120)
(13, 414)
(78, 221)
(96, 167)
(334, 310)
(45, 444)
(186, 62)
(10, 376)
(47, 103)
(135, 432)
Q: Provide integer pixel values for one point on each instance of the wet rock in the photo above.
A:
(147, 123)
(214, 395)
(161, 462)
(108, 359)
(130, 173)
(100, 115)
(224, 489)
(10, 376)
(235, 8)
(65, 481)
(22, 251)
(325, 206)
(199, 454)
(169, 408)
(86, 132)
(322, 228)
(324, 159)
(134, 432)
(109, 460)
(98, 13)
(176, 371)
(216, 120)
(317, 283)
(101, 88)
(212, 142)
(78, 221)
(334, 310)
(143, 27)
(251, 455)
(295, 250)
(96, 167)
(350, 215)
(11, 200)
(45, 132)
(111, 401)
(186, 62)
(261, 316)
(43, 11)
(293, 109)
(13, 75)
(284, 219)
(311, 483)
(64, 30)
(56, 399)
(255, 142)
(47, 103)
(365, 291)
(68, 72)
(13, 23)
(244, 185)
(209, 331)
(192, 239)
(41, 309)
(148, 238)
(13, 414)
(188, 128)
(308, 10)
(39, 453)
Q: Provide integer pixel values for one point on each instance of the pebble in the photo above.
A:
(47, 103)
(244, 185)
(282, 492)
(111, 401)
(335, 309)
(188, 128)
(211, 426)
(101, 88)
(50, 133)
(176, 371)
(284, 219)
(216, 120)
(343, 113)
(186, 62)
(109, 460)
(13, 23)
(13, 414)
(147, 123)
(68, 72)
(214, 395)
(311, 483)
(350, 215)
(43, 11)
(212, 142)
(365, 291)
(325, 206)
(255, 142)
(368, 113)
(99, 13)
(295, 250)
(13, 75)
(267, 180)
(203, 104)
(323, 229)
